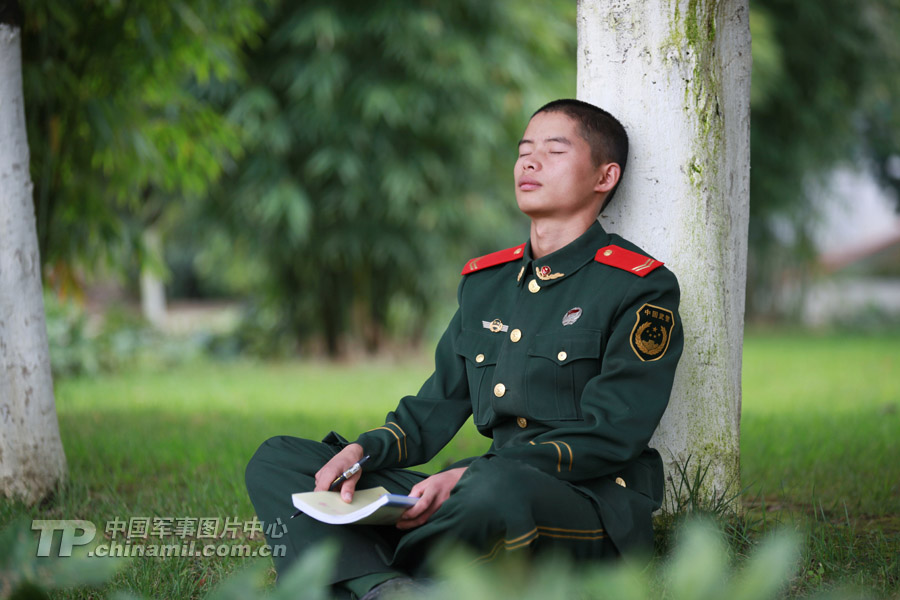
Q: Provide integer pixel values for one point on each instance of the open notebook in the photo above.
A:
(374, 506)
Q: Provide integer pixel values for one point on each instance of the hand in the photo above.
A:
(333, 469)
(431, 492)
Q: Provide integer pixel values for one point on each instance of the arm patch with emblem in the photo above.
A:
(651, 332)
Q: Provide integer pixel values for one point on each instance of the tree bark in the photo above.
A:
(32, 460)
(153, 290)
(677, 74)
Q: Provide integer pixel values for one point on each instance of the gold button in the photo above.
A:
(479, 358)
(607, 253)
(499, 390)
(533, 286)
(522, 422)
(515, 335)
(620, 481)
(562, 356)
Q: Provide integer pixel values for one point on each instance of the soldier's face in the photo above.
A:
(554, 174)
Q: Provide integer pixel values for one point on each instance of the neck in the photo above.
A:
(548, 235)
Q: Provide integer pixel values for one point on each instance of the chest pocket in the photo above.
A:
(480, 349)
(557, 369)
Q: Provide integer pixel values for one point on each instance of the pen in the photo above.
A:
(342, 478)
(348, 473)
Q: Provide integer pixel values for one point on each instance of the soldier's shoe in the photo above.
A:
(398, 586)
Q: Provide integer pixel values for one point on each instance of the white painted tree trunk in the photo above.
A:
(153, 290)
(32, 460)
(677, 74)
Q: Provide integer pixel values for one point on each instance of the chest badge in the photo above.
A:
(570, 317)
(651, 332)
(496, 326)
(545, 273)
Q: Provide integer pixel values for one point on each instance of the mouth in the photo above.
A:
(527, 184)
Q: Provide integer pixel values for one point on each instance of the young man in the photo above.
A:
(564, 348)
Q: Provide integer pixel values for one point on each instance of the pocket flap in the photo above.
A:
(563, 349)
(481, 348)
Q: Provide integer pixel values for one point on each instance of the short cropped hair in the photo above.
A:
(603, 132)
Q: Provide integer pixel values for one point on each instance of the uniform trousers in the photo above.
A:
(498, 505)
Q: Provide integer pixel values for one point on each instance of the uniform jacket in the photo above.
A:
(566, 362)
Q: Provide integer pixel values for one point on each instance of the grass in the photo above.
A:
(819, 449)
(819, 446)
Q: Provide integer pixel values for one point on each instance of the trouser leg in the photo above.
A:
(285, 465)
(502, 505)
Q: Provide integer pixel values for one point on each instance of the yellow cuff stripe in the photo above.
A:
(559, 453)
(399, 448)
(571, 456)
(403, 433)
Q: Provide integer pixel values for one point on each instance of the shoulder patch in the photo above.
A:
(633, 262)
(493, 259)
(651, 332)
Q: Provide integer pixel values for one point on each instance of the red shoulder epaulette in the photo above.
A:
(493, 259)
(616, 256)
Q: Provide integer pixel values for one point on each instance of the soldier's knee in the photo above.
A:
(265, 457)
(255, 465)
(282, 456)
(490, 485)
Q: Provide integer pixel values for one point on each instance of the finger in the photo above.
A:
(325, 477)
(320, 479)
(348, 487)
(424, 503)
(418, 489)
(333, 469)
(410, 523)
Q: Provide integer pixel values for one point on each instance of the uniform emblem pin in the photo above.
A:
(496, 326)
(573, 315)
(545, 273)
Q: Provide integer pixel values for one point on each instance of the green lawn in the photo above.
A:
(821, 419)
(819, 429)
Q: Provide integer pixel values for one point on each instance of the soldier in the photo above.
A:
(563, 348)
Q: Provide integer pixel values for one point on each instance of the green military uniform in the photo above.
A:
(567, 362)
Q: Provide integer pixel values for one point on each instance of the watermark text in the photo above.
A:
(177, 537)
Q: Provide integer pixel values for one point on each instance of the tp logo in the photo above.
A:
(69, 537)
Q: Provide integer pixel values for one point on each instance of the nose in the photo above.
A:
(529, 163)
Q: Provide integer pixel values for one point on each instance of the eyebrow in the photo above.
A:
(561, 140)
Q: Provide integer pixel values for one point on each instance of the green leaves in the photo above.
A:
(116, 112)
(376, 140)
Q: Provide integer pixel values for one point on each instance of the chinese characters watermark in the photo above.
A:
(184, 536)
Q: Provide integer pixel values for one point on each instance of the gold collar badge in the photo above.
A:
(545, 273)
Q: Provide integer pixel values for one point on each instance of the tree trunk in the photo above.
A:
(677, 74)
(153, 290)
(32, 460)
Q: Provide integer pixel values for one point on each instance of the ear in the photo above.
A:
(607, 177)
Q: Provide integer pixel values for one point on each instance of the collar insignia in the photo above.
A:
(545, 273)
